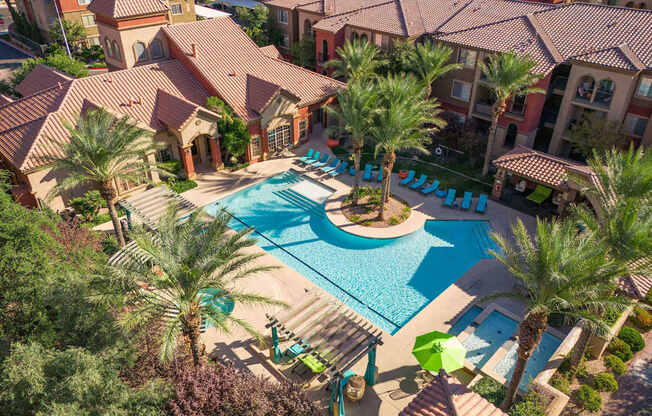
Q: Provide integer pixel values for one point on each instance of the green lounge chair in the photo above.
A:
(322, 162)
(307, 156)
(367, 172)
(422, 179)
(312, 363)
(466, 202)
(540, 194)
(450, 198)
(432, 188)
(408, 179)
(312, 160)
(481, 206)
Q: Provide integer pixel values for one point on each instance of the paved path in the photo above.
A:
(10, 57)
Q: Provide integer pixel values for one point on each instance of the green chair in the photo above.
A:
(312, 363)
(540, 194)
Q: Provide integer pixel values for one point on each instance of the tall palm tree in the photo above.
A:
(430, 62)
(560, 271)
(358, 60)
(103, 149)
(355, 108)
(192, 269)
(507, 74)
(401, 123)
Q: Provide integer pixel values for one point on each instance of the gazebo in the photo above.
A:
(328, 334)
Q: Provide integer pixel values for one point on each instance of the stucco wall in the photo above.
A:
(188, 12)
(127, 37)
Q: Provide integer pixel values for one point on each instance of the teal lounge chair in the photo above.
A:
(466, 202)
(450, 198)
(481, 206)
(296, 349)
(322, 162)
(352, 171)
(314, 159)
(380, 174)
(419, 183)
(408, 179)
(431, 188)
(307, 156)
(332, 166)
(367, 172)
(339, 170)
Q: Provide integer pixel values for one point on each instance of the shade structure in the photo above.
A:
(437, 350)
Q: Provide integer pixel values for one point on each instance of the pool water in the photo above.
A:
(388, 281)
(465, 320)
(488, 337)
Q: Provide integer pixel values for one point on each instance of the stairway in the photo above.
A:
(302, 202)
(481, 237)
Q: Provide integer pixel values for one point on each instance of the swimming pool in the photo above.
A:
(388, 281)
(488, 337)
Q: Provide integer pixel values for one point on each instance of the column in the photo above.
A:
(276, 354)
(154, 176)
(370, 373)
(186, 160)
(216, 153)
(497, 190)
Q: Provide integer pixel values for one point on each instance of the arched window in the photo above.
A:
(324, 50)
(307, 27)
(629, 4)
(604, 93)
(107, 47)
(585, 88)
(642, 6)
(355, 36)
(510, 137)
(156, 49)
(116, 51)
(364, 38)
(139, 52)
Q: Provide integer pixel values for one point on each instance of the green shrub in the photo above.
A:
(560, 382)
(588, 398)
(605, 382)
(533, 404)
(355, 218)
(367, 223)
(564, 367)
(88, 205)
(172, 166)
(110, 246)
(182, 185)
(633, 338)
(620, 349)
(101, 219)
(642, 319)
(615, 364)
(490, 389)
(648, 297)
(394, 221)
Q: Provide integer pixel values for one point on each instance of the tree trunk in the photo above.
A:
(108, 193)
(428, 89)
(578, 352)
(191, 330)
(497, 111)
(388, 163)
(530, 331)
(356, 164)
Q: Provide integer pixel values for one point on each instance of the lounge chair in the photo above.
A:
(352, 170)
(540, 194)
(408, 179)
(481, 206)
(450, 198)
(466, 202)
(440, 193)
(296, 349)
(322, 162)
(367, 172)
(332, 166)
(419, 183)
(431, 188)
(312, 363)
(314, 159)
(339, 170)
(307, 156)
(380, 174)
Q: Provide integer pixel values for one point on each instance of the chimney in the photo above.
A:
(194, 50)
(131, 102)
(139, 100)
(60, 86)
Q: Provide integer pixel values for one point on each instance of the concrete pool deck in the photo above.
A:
(396, 384)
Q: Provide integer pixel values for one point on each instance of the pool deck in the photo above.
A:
(396, 384)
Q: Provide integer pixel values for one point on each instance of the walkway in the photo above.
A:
(10, 58)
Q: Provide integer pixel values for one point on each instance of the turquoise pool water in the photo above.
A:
(487, 337)
(465, 320)
(387, 281)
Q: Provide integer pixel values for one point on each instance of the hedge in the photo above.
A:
(620, 349)
(588, 398)
(615, 364)
(605, 382)
(633, 338)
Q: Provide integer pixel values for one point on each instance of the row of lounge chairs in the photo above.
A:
(312, 160)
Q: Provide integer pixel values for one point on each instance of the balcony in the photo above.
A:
(558, 84)
(482, 110)
(549, 117)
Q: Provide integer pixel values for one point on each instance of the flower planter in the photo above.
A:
(402, 174)
(332, 142)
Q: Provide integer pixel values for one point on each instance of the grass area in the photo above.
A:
(447, 178)
(182, 185)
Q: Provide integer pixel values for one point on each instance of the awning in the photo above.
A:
(209, 13)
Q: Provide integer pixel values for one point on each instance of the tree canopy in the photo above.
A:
(62, 62)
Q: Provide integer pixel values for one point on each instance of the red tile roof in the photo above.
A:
(40, 78)
(5, 99)
(227, 58)
(120, 9)
(175, 111)
(271, 51)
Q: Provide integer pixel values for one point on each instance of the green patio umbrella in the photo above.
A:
(436, 350)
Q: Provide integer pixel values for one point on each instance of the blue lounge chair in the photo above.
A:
(431, 188)
(481, 206)
(367, 172)
(466, 202)
(322, 162)
(380, 174)
(419, 183)
(339, 170)
(409, 178)
(450, 198)
(352, 170)
(332, 166)
(296, 349)
(307, 156)
(314, 159)
(440, 193)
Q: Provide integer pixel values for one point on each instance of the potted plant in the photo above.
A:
(332, 140)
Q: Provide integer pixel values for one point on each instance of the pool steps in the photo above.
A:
(302, 202)
(482, 239)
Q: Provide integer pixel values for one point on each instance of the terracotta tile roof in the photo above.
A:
(271, 51)
(41, 77)
(227, 57)
(120, 9)
(260, 93)
(637, 285)
(537, 166)
(175, 111)
(446, 396)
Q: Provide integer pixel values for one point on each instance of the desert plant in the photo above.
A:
(642, 319)
(620, 349)
(88, 205)
(560, 382)
(588, 398)
(615, 364)
(633, 338)
(533, 404)
(605, 382)
(490, 389)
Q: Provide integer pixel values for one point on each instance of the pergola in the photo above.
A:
(330, 333)
(149, 206)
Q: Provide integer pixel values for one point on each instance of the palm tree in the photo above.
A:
(102, 150)
(400, 123)
(429, 62)
(355, 107)
(193, 268)
(507, 74)
(358, 60)
(560, 271)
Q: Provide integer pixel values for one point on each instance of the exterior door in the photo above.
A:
(279, 139)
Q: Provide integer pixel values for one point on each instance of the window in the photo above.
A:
(604, 93)
(88, 20)
(629, 4)
(645, 88)
(461, 90)
(83, 2)
(585, 88)
(278, 139)
(116, 51)
(156, 49)
(107, 47)
(176, 9)
(635, 124)
(518, 104)
(94, 41)
(139, 51)
(285, 42)
(307, 28)
(467, 58)
(282, 16)
(256, 147)
(303, 130)
(324, 50)
(510, 136)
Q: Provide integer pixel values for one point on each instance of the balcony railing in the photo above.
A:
(483, 108)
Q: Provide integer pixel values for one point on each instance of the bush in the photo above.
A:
(182, 185)
(620, 349)
(605, 382)
(533, 404)
(642, 319)
(633, 338)
(588, 398)
(490, 389)
(560, 382)
(59, 61)
(110, 246)
(615, 364)
(88, 205)
(648, 297)
(172, 166)
(101, 219)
